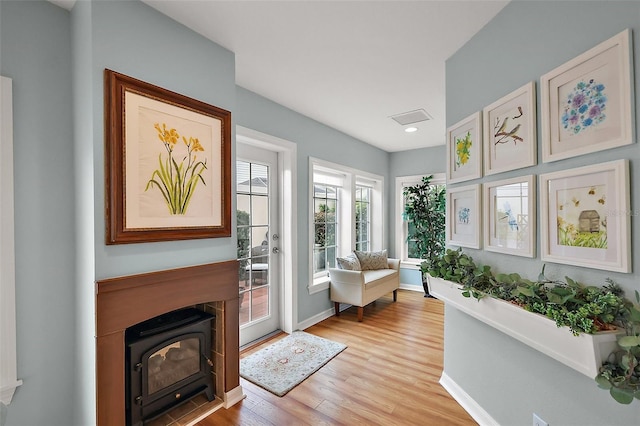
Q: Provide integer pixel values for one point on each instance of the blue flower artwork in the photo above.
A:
(463, 215)
(584, 107)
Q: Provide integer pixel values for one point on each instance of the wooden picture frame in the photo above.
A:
(509, 127)
(167, 164)
(464, 216)
(587, 102)
(510, 216)
(586, 216)
(464, 149)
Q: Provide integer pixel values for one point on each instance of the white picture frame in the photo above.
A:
(464, 216)
(585, 216)
(464, 149)
(510, 216)
(587, 103)
(509, 129)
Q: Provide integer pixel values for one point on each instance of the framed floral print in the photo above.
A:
(509, 127)
(587, 102)
(167, 164)
(463, 216)
(510, 216)
(464, 149)
(586, 218)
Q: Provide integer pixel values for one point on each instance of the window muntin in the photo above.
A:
(325, 222)
(363, 217)
(253, 240)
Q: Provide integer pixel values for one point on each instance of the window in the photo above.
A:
(363, 217)
(405, 247)
(345, 206)
(325, 222)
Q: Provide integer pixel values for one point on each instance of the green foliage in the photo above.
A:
(243, 241)
(620, 373)
(581, 308)
(324, 218)
(425, 211)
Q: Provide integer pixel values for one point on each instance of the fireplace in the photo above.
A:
(167, 363)
(124, 302)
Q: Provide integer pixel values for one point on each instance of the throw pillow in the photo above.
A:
(372, 260)
(349, 263)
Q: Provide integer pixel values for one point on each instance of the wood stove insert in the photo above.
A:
(167, 363)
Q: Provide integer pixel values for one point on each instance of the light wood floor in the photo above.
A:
(388, 375)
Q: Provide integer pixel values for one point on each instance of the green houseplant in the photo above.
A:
(581, 308)
(425, 206)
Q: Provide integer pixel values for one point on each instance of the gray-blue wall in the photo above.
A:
(510, 380)
(312, 139)
(35, 46)
(56, 59)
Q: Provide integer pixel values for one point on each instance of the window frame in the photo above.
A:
(402, 225)
(345, 178)
(360, 187)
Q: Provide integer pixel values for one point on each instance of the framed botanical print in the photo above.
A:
(510, 216)
(464, 149)
(167, 164)
(587, 102)
(586, 218)
(463, 216)
(509, 127)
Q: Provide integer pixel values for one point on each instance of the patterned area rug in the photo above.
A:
(286, 363)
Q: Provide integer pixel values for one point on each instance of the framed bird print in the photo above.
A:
(509, 128)
(510, 216)
(586, 216)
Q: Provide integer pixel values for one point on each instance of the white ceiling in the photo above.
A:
(348, 64)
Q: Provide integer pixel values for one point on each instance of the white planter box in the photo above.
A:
(584, 353)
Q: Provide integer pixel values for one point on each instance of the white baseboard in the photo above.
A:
(469, 404)
(317, 318)
(234, 396)
(411, 287)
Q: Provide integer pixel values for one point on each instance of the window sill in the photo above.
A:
(410, 264)
(319, 284)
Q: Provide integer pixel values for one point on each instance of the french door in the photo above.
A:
(258, 235)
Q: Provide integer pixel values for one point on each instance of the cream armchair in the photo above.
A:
(359, 288)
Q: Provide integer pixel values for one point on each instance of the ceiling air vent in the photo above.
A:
(411, 117)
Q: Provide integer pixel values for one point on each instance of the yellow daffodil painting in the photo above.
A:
(463, 149)
(177, 178)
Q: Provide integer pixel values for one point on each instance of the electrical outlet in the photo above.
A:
(537, 421)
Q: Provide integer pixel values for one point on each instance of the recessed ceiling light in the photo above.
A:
(411, 129)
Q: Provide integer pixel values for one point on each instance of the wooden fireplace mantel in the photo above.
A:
(125, 301)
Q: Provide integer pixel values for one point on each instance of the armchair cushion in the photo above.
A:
(349, 263)
(372, 260)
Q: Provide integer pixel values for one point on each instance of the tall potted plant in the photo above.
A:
(425, 207)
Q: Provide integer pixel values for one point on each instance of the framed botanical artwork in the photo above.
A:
(463, 216)
(510, 216)
(509, 127)
(464, 149)
(587, 102)
(586, 218)
(167, 164)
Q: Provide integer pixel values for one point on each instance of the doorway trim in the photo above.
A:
(288, 259)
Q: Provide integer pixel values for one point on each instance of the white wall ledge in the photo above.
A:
(584, 353)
